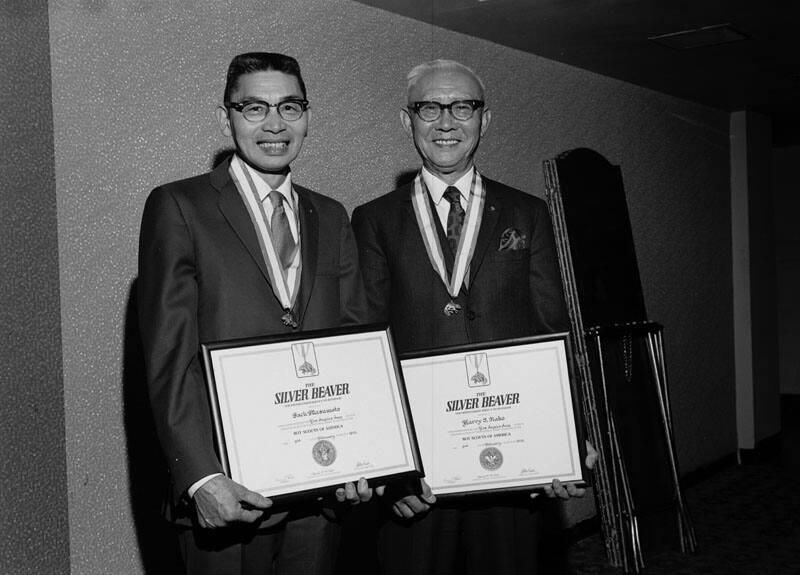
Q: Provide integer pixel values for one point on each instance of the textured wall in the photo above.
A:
(134, 88)
(33, 494)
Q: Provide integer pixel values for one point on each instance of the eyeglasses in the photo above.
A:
(460, 109)
(257, 110)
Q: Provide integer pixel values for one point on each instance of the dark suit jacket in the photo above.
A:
(512, 293)
(202, 278)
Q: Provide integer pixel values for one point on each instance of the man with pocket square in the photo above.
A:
(449, 259)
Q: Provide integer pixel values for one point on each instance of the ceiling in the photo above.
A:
(610, 37)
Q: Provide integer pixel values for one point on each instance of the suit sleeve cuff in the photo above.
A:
(198, 484)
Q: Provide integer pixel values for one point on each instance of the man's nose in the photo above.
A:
(446, 120)
(273, 122)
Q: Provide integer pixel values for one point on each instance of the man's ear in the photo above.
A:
(223, 121)
(405, 119)
(486, 119)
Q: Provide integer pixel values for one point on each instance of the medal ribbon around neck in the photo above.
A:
(469, 232)
(278, 276)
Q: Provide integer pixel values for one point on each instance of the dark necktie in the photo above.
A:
(455, 217)
(281, 233)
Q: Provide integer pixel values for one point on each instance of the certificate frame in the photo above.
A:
(465, 419)
(297, 431)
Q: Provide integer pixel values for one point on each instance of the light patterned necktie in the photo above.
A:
(455, 217)
(281, 232)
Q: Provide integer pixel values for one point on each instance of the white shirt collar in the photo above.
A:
(263, 189)
(436, 186)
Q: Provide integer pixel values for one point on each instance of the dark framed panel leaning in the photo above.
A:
(497, 416)
(296, 416)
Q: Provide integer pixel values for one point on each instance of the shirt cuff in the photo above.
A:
(198, 484)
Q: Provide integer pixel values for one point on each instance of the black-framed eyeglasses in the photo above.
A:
(460, 109)
(257, 110)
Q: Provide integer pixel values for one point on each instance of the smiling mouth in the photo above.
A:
(446, 142)
(274, 147)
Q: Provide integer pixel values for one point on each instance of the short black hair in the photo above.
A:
(261, 62)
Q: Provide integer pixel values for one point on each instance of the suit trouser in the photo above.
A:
(301, 545)
(495, 540)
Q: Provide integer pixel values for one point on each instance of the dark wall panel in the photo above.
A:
(33, 505)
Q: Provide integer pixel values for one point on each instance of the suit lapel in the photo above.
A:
(414, 240)
(309, 242)
(233, 209)
(491, 215)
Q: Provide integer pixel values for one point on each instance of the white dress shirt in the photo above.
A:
(290, 205)
(436, 188)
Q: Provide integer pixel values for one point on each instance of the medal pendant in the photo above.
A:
(288, 319)
(451, 308)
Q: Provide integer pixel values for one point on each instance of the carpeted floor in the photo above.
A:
(746, 519)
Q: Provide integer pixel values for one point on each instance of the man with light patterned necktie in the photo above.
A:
(242, 251)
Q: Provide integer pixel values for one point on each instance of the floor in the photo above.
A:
(746, 519)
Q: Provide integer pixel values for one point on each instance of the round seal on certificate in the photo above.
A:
(324, 452)
(491, 459)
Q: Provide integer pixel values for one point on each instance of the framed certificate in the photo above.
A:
(497, 416)
(298, 415)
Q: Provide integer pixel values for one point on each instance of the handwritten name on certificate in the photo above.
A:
(495, 418)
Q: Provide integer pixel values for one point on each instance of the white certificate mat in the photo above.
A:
(495, 418)
(299, 415)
